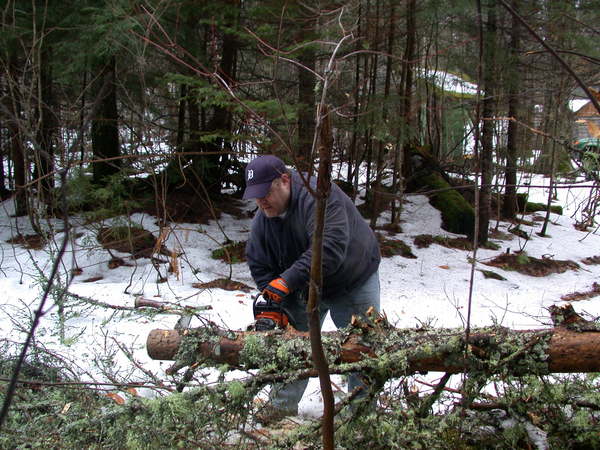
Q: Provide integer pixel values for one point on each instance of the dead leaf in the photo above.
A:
(164, 233)
(174, 264)
(535, 419)
(133, 392)
(93, 279)
(32, 241)
(116, 397)
(595, 291)
(444, 267)
(116, 262)
(66, 408)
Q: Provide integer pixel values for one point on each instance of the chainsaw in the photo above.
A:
(268, 314)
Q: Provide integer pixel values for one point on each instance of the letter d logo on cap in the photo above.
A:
(250, 174)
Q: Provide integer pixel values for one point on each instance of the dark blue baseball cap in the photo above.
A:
(260, 172)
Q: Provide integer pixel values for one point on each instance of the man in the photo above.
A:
(279, 257)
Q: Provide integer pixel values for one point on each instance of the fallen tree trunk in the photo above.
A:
(377, 346)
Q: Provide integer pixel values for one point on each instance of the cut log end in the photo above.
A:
(163, 344)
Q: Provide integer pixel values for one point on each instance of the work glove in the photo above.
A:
(276, 290)
(267, 310)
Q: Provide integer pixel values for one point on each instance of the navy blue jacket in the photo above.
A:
(281, 246)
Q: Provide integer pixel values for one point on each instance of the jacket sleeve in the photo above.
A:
(336, 237)
(257, 258)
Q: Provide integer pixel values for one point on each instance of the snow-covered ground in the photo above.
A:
(432, 288)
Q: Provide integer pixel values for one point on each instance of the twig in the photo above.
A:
(149, 374)
(428, 402)
(10, 391)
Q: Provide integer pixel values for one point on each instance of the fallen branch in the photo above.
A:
(575, 296)
(168, 308)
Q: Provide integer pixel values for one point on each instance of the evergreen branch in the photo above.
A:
(87, 384)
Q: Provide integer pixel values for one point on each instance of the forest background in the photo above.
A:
(115, 107)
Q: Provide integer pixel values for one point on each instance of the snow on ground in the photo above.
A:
(433, 288)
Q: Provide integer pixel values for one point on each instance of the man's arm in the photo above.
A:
(256, 256)
(336, 238)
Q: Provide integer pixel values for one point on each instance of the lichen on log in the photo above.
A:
(387, 351)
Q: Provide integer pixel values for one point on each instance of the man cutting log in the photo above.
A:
(279, 256)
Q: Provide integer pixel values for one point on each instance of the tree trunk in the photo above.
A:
(47, 128)
(383, 146)
(17, 148)
(406, 85)
(353, 159)
(558, 349)
(487, 133)
(221, 121)
(376, 144)
(194, 127)
(180, 136)
(3, 151)
(105, 130)
(402, 168)
(319, 357)
(509, 206)
(209, 166)
(371, 150)
(82, 122)
(306, 107)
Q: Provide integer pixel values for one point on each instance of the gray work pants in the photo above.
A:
(356, 302)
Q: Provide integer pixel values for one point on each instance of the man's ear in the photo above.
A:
(286, 178)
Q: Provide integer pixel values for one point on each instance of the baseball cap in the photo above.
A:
(260, 172)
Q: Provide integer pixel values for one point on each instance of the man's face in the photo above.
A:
(277, 199)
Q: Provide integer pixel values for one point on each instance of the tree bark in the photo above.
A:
(558, 349)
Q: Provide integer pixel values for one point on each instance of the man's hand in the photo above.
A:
(276, 290)
(268, 313)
